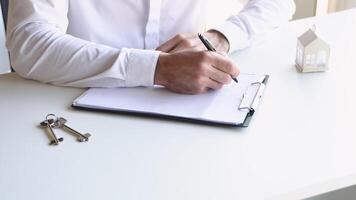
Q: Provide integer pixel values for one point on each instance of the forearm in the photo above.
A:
(257, 18)
(42, 53)
(41, 50)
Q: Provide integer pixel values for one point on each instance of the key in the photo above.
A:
(61, 123)
(48, 124)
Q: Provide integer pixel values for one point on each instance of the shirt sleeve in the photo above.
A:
(256, 18)
(41, 50)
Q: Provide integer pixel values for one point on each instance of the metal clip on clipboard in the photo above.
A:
(251, 97)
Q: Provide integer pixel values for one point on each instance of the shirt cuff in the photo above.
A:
(237, 38)
(140, 67)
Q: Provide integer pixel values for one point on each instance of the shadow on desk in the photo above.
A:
(348, 193)
(147, 116)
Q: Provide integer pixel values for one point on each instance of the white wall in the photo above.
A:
(305, 8)
(336, 5)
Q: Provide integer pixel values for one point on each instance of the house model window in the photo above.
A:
(312, 53)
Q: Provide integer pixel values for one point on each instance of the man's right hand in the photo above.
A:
(194, 72)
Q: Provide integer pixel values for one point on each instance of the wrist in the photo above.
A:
(159, 78)
(219, 40)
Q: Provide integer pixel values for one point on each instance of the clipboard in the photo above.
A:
(233, 105)
(252, 106)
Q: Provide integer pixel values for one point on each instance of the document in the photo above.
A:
(228, 105)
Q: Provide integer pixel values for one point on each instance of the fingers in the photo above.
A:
(188, 43)
(204, 85)
(212, 84)
(172, 43)
(217, 68)
(219, 76)
(182, 42)
(194, 72)
(223, 63)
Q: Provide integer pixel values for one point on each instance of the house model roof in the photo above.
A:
(308, 37)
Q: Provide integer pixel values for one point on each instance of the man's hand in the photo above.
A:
(194, 72)
(192, 42)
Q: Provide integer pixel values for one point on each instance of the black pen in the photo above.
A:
(211, 47)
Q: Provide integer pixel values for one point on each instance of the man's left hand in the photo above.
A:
(183, 42)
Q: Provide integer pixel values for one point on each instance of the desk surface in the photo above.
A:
(301, 141)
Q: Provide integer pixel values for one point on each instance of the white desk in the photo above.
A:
(301, 141)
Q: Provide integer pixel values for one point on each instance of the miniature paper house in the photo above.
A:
(312, 53)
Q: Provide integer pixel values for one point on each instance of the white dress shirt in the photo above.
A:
(110, 43)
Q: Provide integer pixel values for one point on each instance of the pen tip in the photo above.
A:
(235, 79)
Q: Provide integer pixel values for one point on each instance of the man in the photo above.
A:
(108, 43)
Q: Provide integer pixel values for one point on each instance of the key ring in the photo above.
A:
(51, 119)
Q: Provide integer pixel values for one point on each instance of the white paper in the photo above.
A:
(220, 106)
